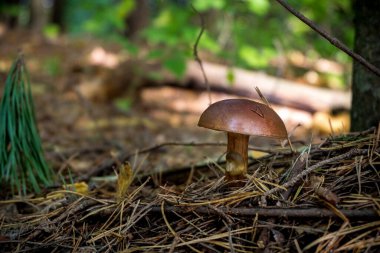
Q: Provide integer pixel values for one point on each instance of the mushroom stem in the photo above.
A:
(237, 156)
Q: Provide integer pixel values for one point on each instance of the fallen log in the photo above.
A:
(276, 90)
(127, 77)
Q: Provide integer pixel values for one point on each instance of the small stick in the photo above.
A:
(334, 41)
(262, 97)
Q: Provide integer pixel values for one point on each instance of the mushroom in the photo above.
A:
(241, 118)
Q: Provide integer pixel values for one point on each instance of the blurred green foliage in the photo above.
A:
(123, 104)
(97, 17)
(52, 66)
(51, 31)
(244, 33)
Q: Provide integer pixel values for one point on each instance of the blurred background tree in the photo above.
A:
(365, 110)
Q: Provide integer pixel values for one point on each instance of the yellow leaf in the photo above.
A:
(80, 187)
(124, 179)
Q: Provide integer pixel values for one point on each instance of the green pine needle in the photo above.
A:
(22, 163)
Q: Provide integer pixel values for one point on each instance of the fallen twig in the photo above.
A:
(271, 212)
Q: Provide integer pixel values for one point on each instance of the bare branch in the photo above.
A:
(196, 56)
(332, 40)
(271, 212)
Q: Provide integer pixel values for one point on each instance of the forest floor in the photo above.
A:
(321, 197)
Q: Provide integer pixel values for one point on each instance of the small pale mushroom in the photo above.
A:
(241, 118)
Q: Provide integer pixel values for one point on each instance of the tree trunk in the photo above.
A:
(365, 111)
(138, 19)
(39, 16)
(9, 18)
(58, 14)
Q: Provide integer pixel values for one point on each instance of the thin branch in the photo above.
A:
(196, 56)
(272, 212)
(334, 41)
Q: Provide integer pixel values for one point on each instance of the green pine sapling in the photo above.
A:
(22, 163)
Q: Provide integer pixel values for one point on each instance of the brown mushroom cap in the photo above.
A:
(243, 116)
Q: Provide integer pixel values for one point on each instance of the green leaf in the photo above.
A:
(155, 54)
(230, 76)
(254, 57)
(176, 64)
(132, 48)
(259, 7)
(204, 5)
(123, 104)
(51, 31)
(124, 8)
(297, 26)
(156, 35)
(207, 42)
(52, 66)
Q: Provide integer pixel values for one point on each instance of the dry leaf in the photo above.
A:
(124, 179)
(80, 187)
